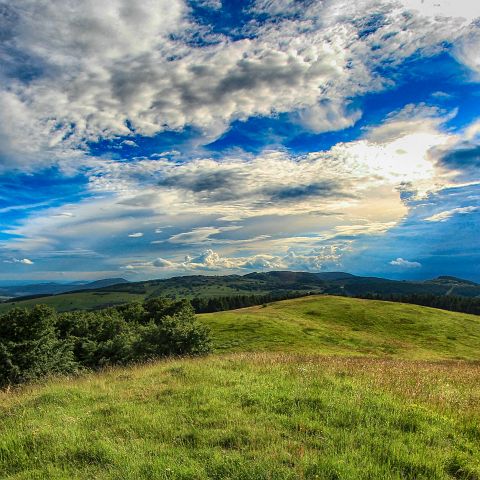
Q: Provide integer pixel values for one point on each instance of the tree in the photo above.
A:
(30, 348)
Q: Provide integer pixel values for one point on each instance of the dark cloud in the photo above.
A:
(228, 185)
(216, 186)
(300, 192)
(463, 157)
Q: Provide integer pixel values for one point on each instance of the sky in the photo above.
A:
(171, 137)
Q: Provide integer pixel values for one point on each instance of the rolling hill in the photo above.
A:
(321, 388)
(335, 283)
(347, 326)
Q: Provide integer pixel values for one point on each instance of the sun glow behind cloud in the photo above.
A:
(82, 94)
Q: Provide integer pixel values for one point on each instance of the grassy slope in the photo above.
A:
(249, 416)
(76, 301)
(268, 415)
(339, 325)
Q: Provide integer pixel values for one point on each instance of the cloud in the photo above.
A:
(76, 73)
(467, 51)
(447, 214)
(463, 156)
(401, 262)
(25, 261)
(129, 143)
(200, 234)
(328, 116)
(210, 260)
(162, 263)
(246, 205)
(464, 9)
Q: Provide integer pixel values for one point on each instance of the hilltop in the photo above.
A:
(347, 326)
(52, 288)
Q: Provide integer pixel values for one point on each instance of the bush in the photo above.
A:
(40, 342)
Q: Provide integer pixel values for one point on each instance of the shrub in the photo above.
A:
(40, 342)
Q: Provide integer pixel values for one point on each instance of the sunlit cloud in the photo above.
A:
(294, 137)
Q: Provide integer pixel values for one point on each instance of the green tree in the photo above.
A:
(30, 347)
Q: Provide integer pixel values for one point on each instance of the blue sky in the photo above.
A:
(162, 138)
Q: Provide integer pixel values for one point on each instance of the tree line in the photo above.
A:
(39, 342)
(445, 302)
(232, 302)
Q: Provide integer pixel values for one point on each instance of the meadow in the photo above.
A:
(347, 326)
(312, 388)
(249, 416)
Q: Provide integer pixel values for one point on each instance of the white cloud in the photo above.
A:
(464, 9)
(129, 143)
(210, 260)
(93, 74)
(200, 235)
(328, 116)
(447, 214)
(468, 51)
(25, 261)
(135, 235)
(255, 208)
(162, 263)
(401, 262)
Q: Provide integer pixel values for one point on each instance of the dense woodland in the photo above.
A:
(232, 302)
(42, 342)
(445, 302)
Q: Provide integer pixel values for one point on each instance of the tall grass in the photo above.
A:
(249, 416)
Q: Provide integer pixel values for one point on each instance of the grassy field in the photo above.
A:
(249, 416)
(314, 388)
(347, 326)
(76, 301)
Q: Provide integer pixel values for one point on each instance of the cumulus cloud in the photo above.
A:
(78, 72)
(254, 207)
(209, 260)
(401, 262)
(25, 261)
(328, 116)
(162, 263)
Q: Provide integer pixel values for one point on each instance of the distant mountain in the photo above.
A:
(114, 291)
(52, 288)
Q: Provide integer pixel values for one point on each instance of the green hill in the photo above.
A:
(313, 388)
(347, 326)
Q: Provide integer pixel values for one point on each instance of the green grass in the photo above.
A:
(347, 326)
(76, 301)
(327, 388)
(249, 416)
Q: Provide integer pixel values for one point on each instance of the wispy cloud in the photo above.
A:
(447, 214)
